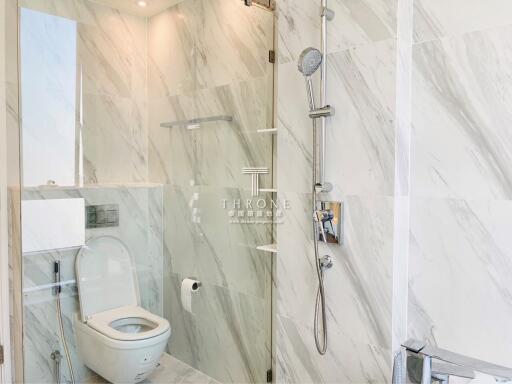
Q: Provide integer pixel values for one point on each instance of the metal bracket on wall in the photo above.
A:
(272, 56)
(269, 376)
(267, 4)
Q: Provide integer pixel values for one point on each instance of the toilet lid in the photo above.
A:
(105, 276)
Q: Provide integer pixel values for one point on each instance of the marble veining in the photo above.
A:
(357, 23)
(238, 321)
(140, 229)
(214, 62)
(462, 93)
(436, 19)
(171, 370)
(361, 142)
(471, 267)
(358, 287)
(346, 361)
(362, 131)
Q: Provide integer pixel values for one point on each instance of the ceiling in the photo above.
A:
(130, 6)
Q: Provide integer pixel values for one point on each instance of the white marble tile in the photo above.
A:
(114, 136)
(233, 43)
(239, 324)
(79, 10)
(200, 241)
(360, 137)
(359, 286)
(295, 132)
(42, 337)
(435, 19)
(356, 23)
(459, 276)
(360, 150)
(461, 138)
(221, 318)
(172, 50)
(185, 157)
(110, 75)
(214, 62)
(108, 68)
(111, 45)
(207, 44)
(171, 370)
(346, 361)
(140, 229)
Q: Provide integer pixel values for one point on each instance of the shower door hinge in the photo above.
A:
(1, 354)
(272, 56)
(269, 376)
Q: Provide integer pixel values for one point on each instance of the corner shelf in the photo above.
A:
(272, 131)
(272, 248)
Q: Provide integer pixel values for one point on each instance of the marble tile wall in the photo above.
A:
(140, 228)
(461, 178)
(362, 76)
(421, 145)
(111, 87)
(111, 56)
(207, 58)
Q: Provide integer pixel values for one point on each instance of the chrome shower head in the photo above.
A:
(309, 61)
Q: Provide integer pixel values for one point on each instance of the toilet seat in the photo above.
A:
(105, 323)
(116, 338)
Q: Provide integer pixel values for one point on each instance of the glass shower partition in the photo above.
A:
(166, 120)
(210, 96)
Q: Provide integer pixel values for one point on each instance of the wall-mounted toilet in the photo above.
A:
(116, 338)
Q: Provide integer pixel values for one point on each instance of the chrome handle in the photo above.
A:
(425, 362)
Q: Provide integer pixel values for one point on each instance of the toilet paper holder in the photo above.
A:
(196, 285)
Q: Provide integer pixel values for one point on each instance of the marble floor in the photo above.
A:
(171, 370)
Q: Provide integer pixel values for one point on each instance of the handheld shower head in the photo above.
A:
(309, 61)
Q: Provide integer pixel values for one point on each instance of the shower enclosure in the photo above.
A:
(138, 123)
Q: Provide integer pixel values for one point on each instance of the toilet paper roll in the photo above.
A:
(188, 286)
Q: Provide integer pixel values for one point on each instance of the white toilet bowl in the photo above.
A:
(116, 338)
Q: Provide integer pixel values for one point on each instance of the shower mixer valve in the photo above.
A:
(329, 218)
(326, 262)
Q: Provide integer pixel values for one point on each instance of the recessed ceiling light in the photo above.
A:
(142, 3)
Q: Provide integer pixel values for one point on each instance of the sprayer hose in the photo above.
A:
(64, 343)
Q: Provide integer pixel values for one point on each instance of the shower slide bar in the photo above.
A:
(425, 364)
(195, 122)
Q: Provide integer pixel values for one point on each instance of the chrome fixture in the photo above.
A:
(326, 15)
(310, 60)
(102, 216)
(425, 364)
(321, 112)
(269, 5)
(57, 291)
(193, 123)
(329, 218)
(326, 262)
(57, 358)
